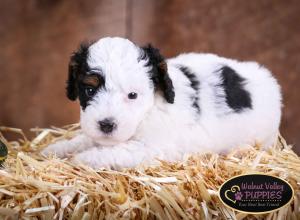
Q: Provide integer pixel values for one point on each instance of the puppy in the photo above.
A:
(137, 106)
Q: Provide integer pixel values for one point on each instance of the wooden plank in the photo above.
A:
(36, 39)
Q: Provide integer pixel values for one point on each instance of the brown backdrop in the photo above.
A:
(38, 36)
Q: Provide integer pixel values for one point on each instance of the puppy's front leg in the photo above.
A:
(66, 147)
(123, 155)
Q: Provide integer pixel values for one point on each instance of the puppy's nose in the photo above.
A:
(107, 125)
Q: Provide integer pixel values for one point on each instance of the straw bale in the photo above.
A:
(35, 187)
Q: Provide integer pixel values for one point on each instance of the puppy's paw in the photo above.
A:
(57, 149)
(91, 160)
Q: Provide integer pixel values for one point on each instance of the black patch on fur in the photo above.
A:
(159, 72)
(78, 69)
(237, 97)
(83, 98)
(194, 83)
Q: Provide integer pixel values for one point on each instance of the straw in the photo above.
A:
(35, 187)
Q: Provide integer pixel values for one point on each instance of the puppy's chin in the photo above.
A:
(112, 139)
(107, 141)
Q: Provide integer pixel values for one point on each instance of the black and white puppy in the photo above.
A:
(136, 106)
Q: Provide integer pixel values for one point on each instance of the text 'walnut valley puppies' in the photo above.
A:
(136, 106)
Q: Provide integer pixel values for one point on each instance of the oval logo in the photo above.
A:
(3, 152)
(256, 193)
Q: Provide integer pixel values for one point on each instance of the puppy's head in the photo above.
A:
(116, 81)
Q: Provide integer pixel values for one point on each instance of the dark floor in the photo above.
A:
(38, 36)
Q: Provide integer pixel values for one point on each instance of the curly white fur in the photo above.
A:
(150, 128)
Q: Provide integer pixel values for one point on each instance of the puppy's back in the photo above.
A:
(240, 102)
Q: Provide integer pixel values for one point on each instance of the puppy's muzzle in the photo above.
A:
(107, 125)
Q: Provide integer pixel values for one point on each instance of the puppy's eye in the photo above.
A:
(90, 91)
(132, 95)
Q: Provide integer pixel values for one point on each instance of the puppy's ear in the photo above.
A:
(72, 88)
(77, 66)
(159, 72)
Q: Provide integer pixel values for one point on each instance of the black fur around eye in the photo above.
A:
(90, 91)
(132, 95)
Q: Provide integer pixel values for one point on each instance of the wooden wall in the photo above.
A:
(38, 36)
